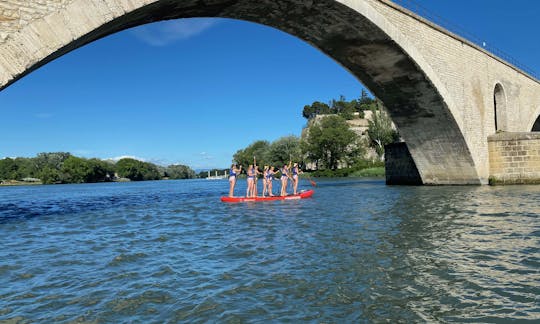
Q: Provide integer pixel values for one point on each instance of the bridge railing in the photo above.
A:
(460, 31)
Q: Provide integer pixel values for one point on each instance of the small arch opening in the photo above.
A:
(536, 125)
(499, 106)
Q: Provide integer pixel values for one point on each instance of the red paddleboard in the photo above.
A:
(301, 195)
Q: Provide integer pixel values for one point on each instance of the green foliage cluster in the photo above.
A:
(330, 142)
(136, 170)
(179, 171)
(80, 170)
(62, 167)
(369, 172)
(380, 131)
(276, 154)
(342, 107)
(19, 168)
(361, 168)
(56, 167)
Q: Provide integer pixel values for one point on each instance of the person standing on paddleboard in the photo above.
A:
(265, 180)
(284, 179)
(233, 172)
(295, 172)
(256, 172)
(270, 179)
(250, 176)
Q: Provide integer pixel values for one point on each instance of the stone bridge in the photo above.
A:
(445, 94)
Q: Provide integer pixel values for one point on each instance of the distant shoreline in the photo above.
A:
(11, 183)
(363, 173)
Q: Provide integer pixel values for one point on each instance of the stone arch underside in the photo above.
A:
(414, 103)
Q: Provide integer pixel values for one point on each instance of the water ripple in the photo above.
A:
(359, 251)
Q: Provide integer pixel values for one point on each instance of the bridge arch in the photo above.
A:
(352, 33)
(499, 107)
(534, 126)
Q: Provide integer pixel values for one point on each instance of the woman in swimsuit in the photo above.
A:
(284, 178)
(270, 176)
(265, 183)
(295, 172)
(233, 172)
(250, 177)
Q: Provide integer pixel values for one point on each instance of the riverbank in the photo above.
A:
(19, 183)
(372, 172)
(376, 171)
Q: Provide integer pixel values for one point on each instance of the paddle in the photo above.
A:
(313, 183)
(254, 176)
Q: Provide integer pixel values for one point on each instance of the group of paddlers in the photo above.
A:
(288, 172)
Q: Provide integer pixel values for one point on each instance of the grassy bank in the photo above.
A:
(372, 171)
(369, 172)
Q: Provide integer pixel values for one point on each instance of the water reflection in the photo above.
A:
(465, 253)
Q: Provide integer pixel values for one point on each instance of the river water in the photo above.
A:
(358, 251)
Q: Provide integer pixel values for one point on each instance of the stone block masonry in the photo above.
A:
(514, 158)
(399, 165)
(15, 14)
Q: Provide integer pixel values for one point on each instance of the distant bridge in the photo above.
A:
(445, 94)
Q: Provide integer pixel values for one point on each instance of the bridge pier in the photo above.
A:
(514, 158)
(399, 165)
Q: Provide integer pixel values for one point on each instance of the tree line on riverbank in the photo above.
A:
(328, 146)
(63, 167)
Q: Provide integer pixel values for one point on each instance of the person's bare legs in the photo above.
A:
(249, 189)
(232, 182)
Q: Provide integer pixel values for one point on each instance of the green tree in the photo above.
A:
(330, 141)
(49, 175)
(316, 108)
(80, 170)
(380, 131)
(137, 170)
(8, 169)
(341, 106)
(26, 168)
(52, 160)
(179, 171)
(283, 150)
(338, 106)
(364, 98)
(258, 149)
(75, 170)
(99, 170)
(365, 102)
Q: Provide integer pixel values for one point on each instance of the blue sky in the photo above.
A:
(195, 91)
